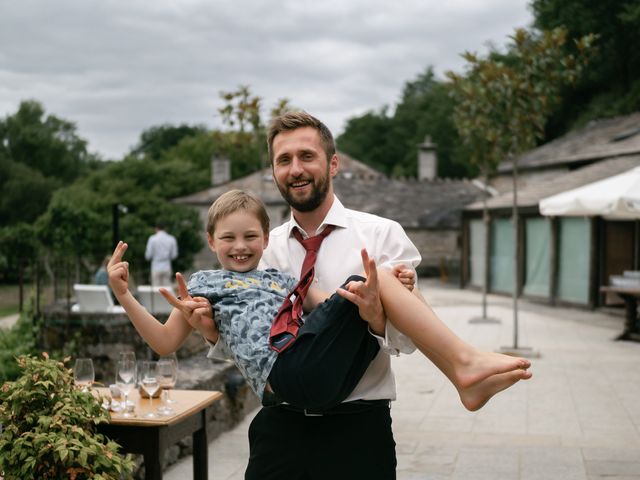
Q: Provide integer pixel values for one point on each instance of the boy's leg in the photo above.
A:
(333, 350)
(476, 375)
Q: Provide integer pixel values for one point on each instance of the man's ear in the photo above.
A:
(334, 165)
(210, 242)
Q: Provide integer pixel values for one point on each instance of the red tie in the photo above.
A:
(289, 318)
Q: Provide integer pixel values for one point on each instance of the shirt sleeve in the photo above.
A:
(395, 248)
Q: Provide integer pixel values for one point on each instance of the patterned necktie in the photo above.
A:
(289, 318)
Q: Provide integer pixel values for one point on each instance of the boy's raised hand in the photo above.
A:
(366, 295)
(118, 270)
(197, 311)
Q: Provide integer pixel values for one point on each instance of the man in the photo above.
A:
(161, 249)
(353, 440)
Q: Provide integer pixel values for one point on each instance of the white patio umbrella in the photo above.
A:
(614, 198)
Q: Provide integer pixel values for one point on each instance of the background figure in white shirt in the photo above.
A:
(161, 249)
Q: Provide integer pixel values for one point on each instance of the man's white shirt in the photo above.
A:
(338, 258)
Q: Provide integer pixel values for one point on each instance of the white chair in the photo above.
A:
(151, 299)
(94, 299)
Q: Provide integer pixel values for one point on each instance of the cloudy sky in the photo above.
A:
(116, 67)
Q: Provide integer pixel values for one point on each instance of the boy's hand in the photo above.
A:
(366, 296)
(407, 276)
(118, 271)
(196, 311)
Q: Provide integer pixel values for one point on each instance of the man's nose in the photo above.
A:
(296, 167)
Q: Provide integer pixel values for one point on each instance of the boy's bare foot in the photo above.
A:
(475, 396)
(481, 365)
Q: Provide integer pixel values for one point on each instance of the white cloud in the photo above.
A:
(115, 68)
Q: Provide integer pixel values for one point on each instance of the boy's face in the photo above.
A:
(238, 241)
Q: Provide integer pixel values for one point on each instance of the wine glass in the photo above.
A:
(149, 381)
(130, 356)
(167, 377)
(83, 373)
(126, 379)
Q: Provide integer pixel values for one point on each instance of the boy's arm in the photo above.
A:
(163, 339)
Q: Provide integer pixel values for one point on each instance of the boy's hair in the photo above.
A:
(292, 121)
(231, 202)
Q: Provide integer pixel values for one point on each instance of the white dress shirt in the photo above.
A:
(161, 249)
(338, 258)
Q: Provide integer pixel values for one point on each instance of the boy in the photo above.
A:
(333, 347)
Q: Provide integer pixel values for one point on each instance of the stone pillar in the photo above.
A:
(427, 160)
(220, 171)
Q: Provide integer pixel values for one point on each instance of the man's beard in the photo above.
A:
(318, 194)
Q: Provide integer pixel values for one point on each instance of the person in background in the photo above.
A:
(161, 249)
(101, 276)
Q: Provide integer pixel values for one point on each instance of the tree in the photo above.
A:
(38, 154)
(504, 101)
(610, 85)
(389, 142)
(156, 141)
(47, 144)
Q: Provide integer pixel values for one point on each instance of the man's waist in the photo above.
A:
(345, 408)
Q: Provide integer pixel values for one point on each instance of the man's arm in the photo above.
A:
(174, 248)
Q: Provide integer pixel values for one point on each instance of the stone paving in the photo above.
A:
(577, 418)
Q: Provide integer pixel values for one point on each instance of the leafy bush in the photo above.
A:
(49, 428)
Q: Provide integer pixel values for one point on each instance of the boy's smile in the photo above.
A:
(238, 241)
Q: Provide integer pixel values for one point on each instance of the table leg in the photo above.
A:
(200, 450)
(153, 454)
(631, 317)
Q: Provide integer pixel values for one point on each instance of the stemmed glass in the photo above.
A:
(126, 378)
(83, 373)
(167, 377)
(150, 384)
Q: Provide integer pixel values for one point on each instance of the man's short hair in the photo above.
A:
(233, 201)
(289, 121)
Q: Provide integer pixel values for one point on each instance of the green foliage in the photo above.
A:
(38, 154)
(155, 141)
(49, 427)
(504, 101)
(18, 340)
(610, 85)
(389, 142)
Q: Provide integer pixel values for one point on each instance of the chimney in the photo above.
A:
(427, 160)
(220, 171)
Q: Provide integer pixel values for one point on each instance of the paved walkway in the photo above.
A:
(9, 321)
(578, 418)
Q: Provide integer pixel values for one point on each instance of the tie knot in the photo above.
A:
(313, 243)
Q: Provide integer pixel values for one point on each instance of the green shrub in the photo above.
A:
(49, 428)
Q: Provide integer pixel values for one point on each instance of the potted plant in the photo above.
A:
(49, 427)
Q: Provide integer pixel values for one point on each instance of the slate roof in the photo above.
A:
(600, 139)
(530, 196)
(430, 204)
(413, 203)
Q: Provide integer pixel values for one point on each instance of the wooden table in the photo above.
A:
(631, 297)
(151, 437)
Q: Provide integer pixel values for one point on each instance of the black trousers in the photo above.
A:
(285, 444)
(333, 350)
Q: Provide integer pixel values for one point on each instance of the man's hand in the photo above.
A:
(407, 276)
(196, 311)
(366, 296)
(118, 271)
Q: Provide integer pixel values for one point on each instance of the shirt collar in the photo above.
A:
(337, 215)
